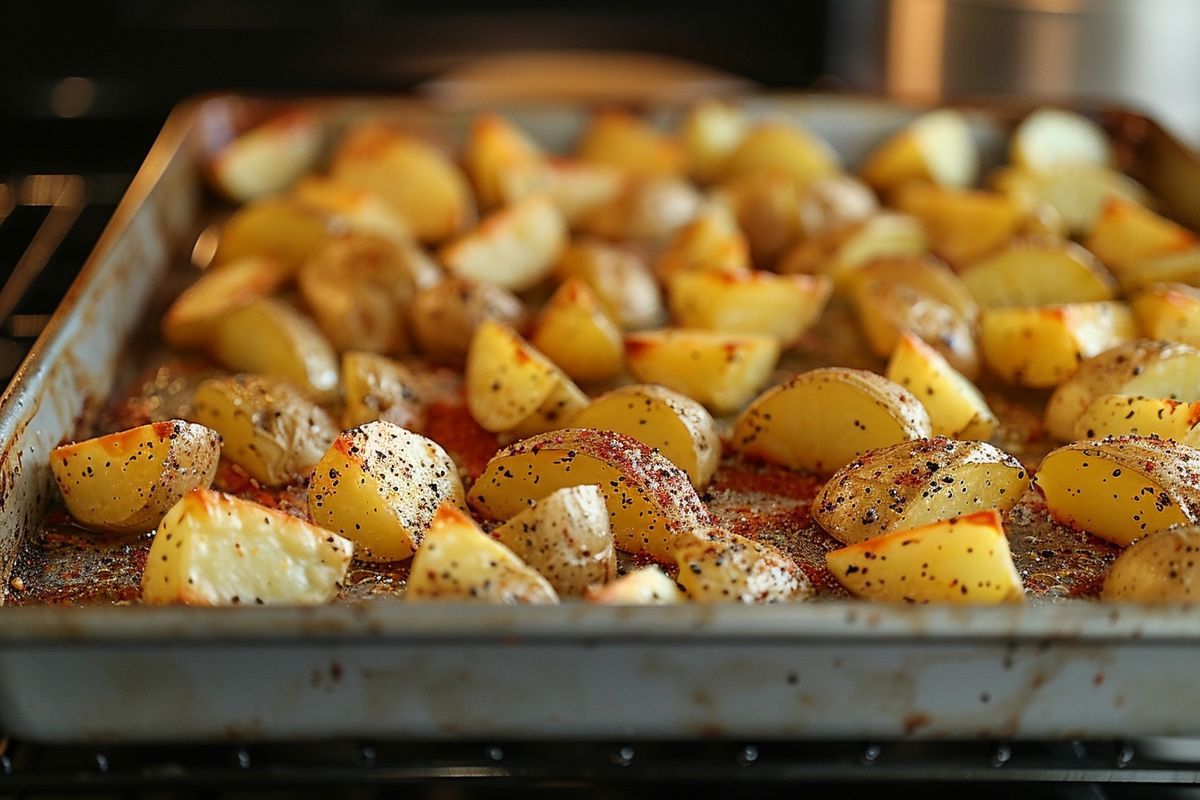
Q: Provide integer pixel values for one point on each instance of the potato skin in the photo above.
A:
(445, 316)
(642, 587)
(1161, 567)
(731, 568)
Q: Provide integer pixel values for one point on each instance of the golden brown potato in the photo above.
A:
(1038, 273)
(935, 147)
(647, 211)
(964, 225)
(268, 158)
(767, 209)
(956, 407)
(618, 139)
(734, 569)
(835, 204)
(353, 208)
(1161, 567)
(280, 228)
(1169, 312)
(711, 131)
(711, 242)
(840, 252)
(645, 586)
(515, 247)
(375, 387)
(785, 149)
(1132, 415)
(783, 306)
(575, 333)
(500, 160)
(192, 318)
(621, 281)
(1053, 137)
(445, 316)
(1128, 235)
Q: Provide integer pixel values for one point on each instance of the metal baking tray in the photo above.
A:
(387, 669)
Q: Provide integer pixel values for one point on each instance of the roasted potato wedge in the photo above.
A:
(835, 204)
(1161, 567)
(192, 318)
(354, 208)
(935, 147)
(840, 252)
(268, 158)
(1140, 246)
(1132, 415)
(766, 207)
(785, 149)
(710, 132)
(963, 560)
(648, 211)
(783, 306)
(964, 225)
(445, 316)
(1169, 312)
(1077, 193)
(642, 587)
(575, 332)
(1053, 137)
(1038, 273)
(910, 484)
(515, 248)
(712, 242)
(212, 549)
(380, 485)
(822, 419)
(271, 429)
(578, 188)
(280, 228)
(720, 370)
(500, 160)
(621, 281)
(956, 408)
(125, 481)
(652, 506)
(674, 425)
(376, 387)
(622, 140)
(734, 569)
(566, 537)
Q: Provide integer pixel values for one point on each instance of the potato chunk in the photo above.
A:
(842, 251)
(676, 426)
(354, 208)
(212, 549)
(734, 569)
(1038, 273)
(459, 562)
(514, 248)
(268, 158)
(822, 419)
(192, 319)
(574, 331)
(1077, 193)
(1161, 567)
(126, 481)
(621, 140)
(647, 211)
(375, 387)
(1170, 312)
(651, 504)
(835, 204)
(270, 429)
(785, 149)
(1142, 247)
(499, 158)
(566, 537)
(720, 370)
(963, 560)
(783, 306)
(1124, 415)
(915, 483)
(379, 485)
(280, 228)
(964, 225)
(956, 408)
(711, 131)
(643, 587)
(621, 281)
(712, 242)
(936, 147)
(1053, 137)
(766, 206)
(445, 316)
(1121, 489)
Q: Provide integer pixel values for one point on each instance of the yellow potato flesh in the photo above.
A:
(1162, 567)
(783, 149)
(1037, 275)
(192, 318)
(783, 306)
(575, 333)
(1042, 346)
(279, 228)
(1122, 415)
(1169, 311)
(507, 380)
(269, 337)
(646, 586)
(956, 408)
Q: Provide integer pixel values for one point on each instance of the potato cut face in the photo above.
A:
(514, 248)
(1125, 415)
(459, 562)
(126, 481)
(1043, 346)
(782, 306)
(498, 154)
(840, 252)
(766, 206)
(566, 537)
(1039, 273)
(193, 317)
(575, 332)
(647, 211)
(279, 228)
(1161, 567)
(357, 209)
(643, 587)
(710, 132)
(936, 146)
(916, 483)
(1169, 312)
(1054, 137)
(786, 149)
(963, 560)
(710, 243)
(270, 429)
(380, 485)
(269, 158)
(620, 280)
(675, 425)
(212, 549)
(376, 387)
(964, 225)
(1077, 193)
(651, 504)
(956, 407)
(734, 569)
(1121, 489)
(621, 140)
(445, 316)
(822, 419)
(1128, 232)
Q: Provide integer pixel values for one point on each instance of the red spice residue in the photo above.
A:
(451, 425)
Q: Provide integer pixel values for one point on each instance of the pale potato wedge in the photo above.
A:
(355, 208)
(652, 506)
(822, 419)
(840, 252)
(834, 204)
(515, 248)
(1076, 192)
(1054, 137)
(620, 280)
(1133, 415)
(647, 211)
(720, 370)
(710, 132)
(1161, 567)
(734, 569)
(376, 387)
(270, 337)
(1042, 346)
(458, 562)
(956, 407)
(712, 242)
(212, 549)
(1142, 367)
(676, 426)
(512, 387)
(1120, 489)
(280, 228)
(445, 316)
(380, 486)
(1182, 267)
(917, 483)
(500, 160)
(415, 178)
(270, 429)
(268, 158)
(936, 147)
(782, 148)
(642, 587)
(1128, 233)
(783, 306)
(1038, 273)
(766, 206)
(964, 560)
(1169, 312)
(574, 331)
(964, 225)
(621, 140)
(579, 188)
(566, 537)
(125, 481)
(192, 318)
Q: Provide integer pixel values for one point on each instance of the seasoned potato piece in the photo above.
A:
(212, 549)
(963, 560)
(643, 587)
(268, 158)
(380, 485)
(358, 289)
(622, 140)
(956, 408)
(766, 206)
(126, 481)
(1161, 567)
(786, 149)
(1170, 312)
(1142, 367)
(1127, 233)
(910, 484)
(192, 318)
(500, 160)
(1121, 489)
(359, 210)
(575, 333)
(1076, 192)
(720, 370)
(1044, 345)
(621, 281)
(834, 204)
(566, 537)
(840, 252)
(648, 211)
(459, 562)
(578, 188)
(270, 429)
(1038, 273)
(416, 179)
(515, 248)
(676, 426)
(651, 505)
(375, 387)
(712, 242)
(711, 131)
(445, 316)
(964, 225)
(822, 419)
(1180, 267)
(734, 569)
(935, 147)
(1125, 415)
(1053, 137)
(512, 387)
(783, 306)
(280, 228)
(270, 337)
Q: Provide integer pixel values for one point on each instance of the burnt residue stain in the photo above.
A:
(915, 721)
